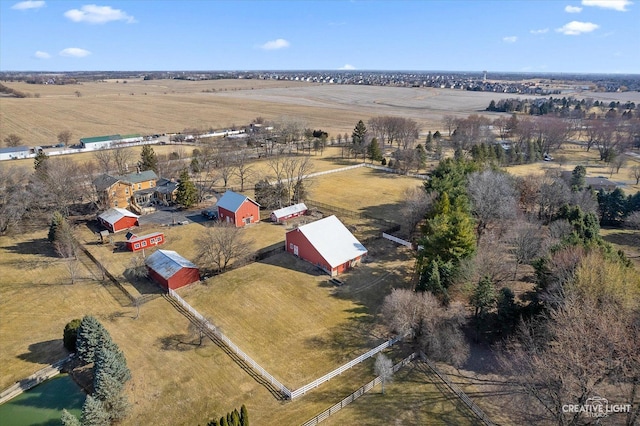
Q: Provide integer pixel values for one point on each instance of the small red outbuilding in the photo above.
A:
(326, 243)
(118, 219)
(237, 209)
(135, 243)
(289, 212)
(171, 270)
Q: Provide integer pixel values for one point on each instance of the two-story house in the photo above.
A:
(119, 191)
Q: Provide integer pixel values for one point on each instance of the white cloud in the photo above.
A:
(275, 44)
(541, 31)
(510, 39)
(75, 52)
(28, 4)
(347, 67)
(41, 55)
(573, 9)
(619, 5)
(93, 14)
(577, 28)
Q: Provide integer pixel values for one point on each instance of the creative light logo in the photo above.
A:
(596, 407)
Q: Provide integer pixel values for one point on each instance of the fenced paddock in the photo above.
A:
(268, 377)
(357, 394)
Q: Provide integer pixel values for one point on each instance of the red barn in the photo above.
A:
(326, 243)
(171, 270)
(290, 212)
(135, 243)
(118, 219)
(237, 209)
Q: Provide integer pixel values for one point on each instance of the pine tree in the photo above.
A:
(223, 421)
(90, 336)
(235, 417)
(244, 416)
(578, 178)
(373, 150)
(186, 194)
(69, 419)
(483, 297)
(428, 144)
(358, 138)
(213, 422)
(93, 413)
(112, 361)
(148, 159)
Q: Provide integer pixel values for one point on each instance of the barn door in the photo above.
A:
(295, 250)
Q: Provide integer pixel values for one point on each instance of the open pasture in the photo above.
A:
(167, 106)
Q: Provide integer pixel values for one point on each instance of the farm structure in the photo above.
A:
(14, 152)
(290, 212)
(326, 243)
(170, 270)
(238, 209)
(103, 142)
(136, 243)
(118, 219)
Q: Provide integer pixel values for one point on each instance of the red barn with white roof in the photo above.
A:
(135, 243)
(237, 209)
(170, 270)
(118, 219)
(326, 243)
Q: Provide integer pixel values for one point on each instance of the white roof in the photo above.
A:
(286, 211)
(333, 240)
(167, 262)
(114, 214)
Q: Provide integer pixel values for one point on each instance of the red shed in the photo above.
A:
(290, 212)
(118, 219)
(326, 243)
(171, 270)
(135, 243)
(237, 209)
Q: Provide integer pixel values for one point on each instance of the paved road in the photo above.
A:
(172, 216)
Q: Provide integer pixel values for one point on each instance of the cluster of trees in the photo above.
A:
(562, 107)
(289, 181)
(107, 404)
(617, 209)
(233, 418)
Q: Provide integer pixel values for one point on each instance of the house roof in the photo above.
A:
(165, 186)
(286, 211)
(599, 182)
(114, 214)
(139, 177)
(11, 149)
(167, 262)
(104, 181)
(232, 201)
(333, 240)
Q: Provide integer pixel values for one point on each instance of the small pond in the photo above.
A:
(42, 405)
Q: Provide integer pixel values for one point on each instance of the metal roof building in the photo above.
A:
(238, 209)
(288, 212)
(326, 243)
(118, 219)
(171, 270)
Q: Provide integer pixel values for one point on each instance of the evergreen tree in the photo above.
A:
(244, 416)
(578, 178)
(90, 337)
(40, 163)
(358, 139)
(69, 419)
(106, 387)
(421, 156)
(223, 421)
(483, 297)
(56, 221)
(213, 422)
(428, 144)
(112, 362)
(70, 334)
(374, 152)
(186, 193)
(235, 417)
(93, 413)
(507, 310)
(148, 159)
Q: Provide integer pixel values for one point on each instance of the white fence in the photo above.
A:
(301, 391)
(397, 240)
(357, 394)
(232, 345)
(283, 389)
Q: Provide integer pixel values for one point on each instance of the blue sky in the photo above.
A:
(584, 36)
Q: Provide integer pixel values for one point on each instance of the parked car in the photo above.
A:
(211, 214)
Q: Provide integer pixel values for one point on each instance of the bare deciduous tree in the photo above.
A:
(416, 204)
(64, 137)
(634, 172)
(12, 140)
(384, 369)
(244, 170)
(222, 244)
(526, 242)
(122, 157)
(104, 158)
(493, 198)
(421, 316)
